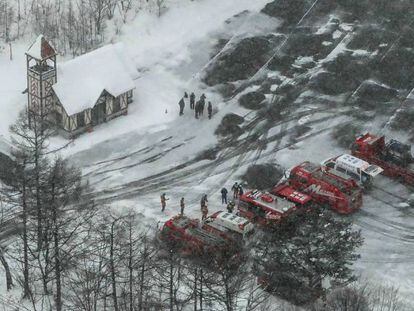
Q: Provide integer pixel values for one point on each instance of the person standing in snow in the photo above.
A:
(202, 104)
(192, 100)
(197, 109)
(224, 195)
(182, 205)
(204, 213)
(241, 191)
(203, 201)
(209, 110)
(235, 190)
(181, 103)
(230, 207)
(164, 200)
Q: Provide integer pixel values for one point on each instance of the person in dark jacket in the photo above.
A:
(203, 201)
(202, 104)
(182, 206)
(235, 190)
(192, 101)
(209, 110)
(224, 196)
(164, 200)
(241, 191)
(181, 103)
(197, 109)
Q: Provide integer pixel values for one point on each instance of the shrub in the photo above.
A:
(328, 83)
(291, 11)
(404, 120)
(281, 63)
(230, 125)
(345, 134)
(262, 176)
(370, 37)
(251, 100)
(396, 68)
(242, 61)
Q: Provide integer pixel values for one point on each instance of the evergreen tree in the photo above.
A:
(308, 253)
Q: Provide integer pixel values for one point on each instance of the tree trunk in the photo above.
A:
(9, 279)
(57, 258)
(229, 303)
(142, 278)
(195, 290)
(112, 267)
(201, 289)
(130, 269)
(26, 288)
(38, 205)
(19, 17)
(171, 282)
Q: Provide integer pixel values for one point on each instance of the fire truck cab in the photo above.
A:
(229, 224)
(399, 153)
(340, 193)
(361, 171)
(188, 236)
(394, 157)
(266, 208)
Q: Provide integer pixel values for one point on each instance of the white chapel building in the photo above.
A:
(81, 93)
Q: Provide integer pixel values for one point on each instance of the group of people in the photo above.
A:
(164, 200)
(236, 189)
(198, 106)
(203, 203)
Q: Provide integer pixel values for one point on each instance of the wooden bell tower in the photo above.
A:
(41, 76)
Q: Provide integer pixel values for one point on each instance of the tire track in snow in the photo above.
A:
(384, 231)
(170, 177)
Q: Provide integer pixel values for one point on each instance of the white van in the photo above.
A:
(224, 220)
(359, 170)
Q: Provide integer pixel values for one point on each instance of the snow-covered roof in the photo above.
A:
(41, 49)
(352, 161)
(81, 81)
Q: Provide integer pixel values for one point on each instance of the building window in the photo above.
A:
(58, 118)
(116, 104)
(80, 119)
(129, 96)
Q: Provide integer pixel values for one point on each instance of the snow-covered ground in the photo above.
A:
(131, 160)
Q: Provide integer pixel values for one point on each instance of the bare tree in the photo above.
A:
(63, 191)
(361, 297)
(9, 279)
(124, 6)
(30, 137)
(160, 5)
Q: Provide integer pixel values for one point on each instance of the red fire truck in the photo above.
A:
(267, 208)
(188, 236)
(339, 191)
(393, 157)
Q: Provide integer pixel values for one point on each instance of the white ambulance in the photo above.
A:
(359, 170)
(226, 221)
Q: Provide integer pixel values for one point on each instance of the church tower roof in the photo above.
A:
(41, 49)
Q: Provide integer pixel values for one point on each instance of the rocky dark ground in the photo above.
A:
(335, 53)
